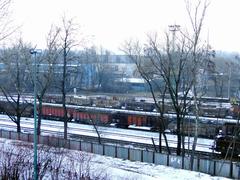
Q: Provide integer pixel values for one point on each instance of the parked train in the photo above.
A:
(208, 126)
(103, 116)
(208, 106)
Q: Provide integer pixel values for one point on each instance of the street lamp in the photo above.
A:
(35, 52)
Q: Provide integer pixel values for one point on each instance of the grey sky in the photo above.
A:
(113, 21)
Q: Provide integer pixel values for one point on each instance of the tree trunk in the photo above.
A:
(18, 125)
(160, 141)
(65, 129)
(39, 116)
(98, 134)
(166, 142)
(64, 79)
(178, 135)
(65, 118)
(196, 129)
(95, 127)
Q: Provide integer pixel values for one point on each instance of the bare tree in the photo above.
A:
(170, 66)
(199, 55)
(45, 69)
(68, 40)
(15, 77)
(6, 25)
(6, 29)
(177, 62)
(45, 80)
(151, 76)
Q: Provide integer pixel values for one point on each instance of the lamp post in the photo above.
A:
(35, 52)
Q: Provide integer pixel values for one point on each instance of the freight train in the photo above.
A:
(103, 116)
(208, 106)
(208, 126)
(88, 114)
(123, 118)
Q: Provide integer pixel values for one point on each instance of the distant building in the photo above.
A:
(133, 84)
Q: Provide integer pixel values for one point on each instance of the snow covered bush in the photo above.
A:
(53, 163)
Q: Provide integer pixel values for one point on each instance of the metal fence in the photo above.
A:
(209, 166)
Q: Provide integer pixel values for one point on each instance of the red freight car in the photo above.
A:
(137, 120)
(87, 114)
(86, 117)
(55, 112)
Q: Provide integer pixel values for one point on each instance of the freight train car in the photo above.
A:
(125, 118)
(26, 109)
(56, 112)
(81, 115)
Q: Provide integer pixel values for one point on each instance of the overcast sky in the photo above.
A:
(110, 22)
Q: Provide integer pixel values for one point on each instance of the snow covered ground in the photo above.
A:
(118, 169)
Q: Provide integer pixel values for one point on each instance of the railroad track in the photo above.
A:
(104, 132)
(107, 136)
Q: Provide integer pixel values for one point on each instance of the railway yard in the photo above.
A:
(132, 122)
(132, 126)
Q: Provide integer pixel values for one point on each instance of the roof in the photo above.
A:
(132, 80)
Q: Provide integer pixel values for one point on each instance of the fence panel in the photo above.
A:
(97, 149)
(86, 146)
(223, 168)
(110, 150)
(206, 166)
(148, 156)
(236, 171)
(187, 163)
(75, 145)
(23, 137)
(53, 141)
(6, 134)
(122, 152)
(31, 138)
(175, 161)
(43, 140)
(64, 143)
(161, 159)
(196, 164)
(135, 155)
(14, 135)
